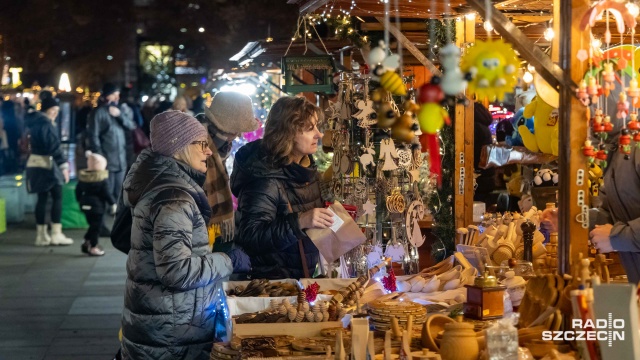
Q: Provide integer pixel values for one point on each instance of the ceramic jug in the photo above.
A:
(459, 342)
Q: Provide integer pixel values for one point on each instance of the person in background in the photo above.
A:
(171, 273)
(92, 193)
(182, 103)
(106, 128)
(617, 221)
(229, 115)
(277, 185)
(485, 178)
(47, 170)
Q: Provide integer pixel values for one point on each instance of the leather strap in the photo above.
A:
(305, 268)
(303, 258)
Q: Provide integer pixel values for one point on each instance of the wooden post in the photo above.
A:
(463, 123)
(572, 237)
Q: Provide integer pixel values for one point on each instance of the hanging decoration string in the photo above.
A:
(399, 47)
(386, 26)
(297, 33)
(487, 18)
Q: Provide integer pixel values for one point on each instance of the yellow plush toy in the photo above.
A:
(545, 125)
(544, 109)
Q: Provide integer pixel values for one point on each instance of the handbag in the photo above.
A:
(40, 161)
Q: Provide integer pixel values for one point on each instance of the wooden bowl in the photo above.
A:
(434, 324)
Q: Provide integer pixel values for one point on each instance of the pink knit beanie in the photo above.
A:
(95, 162)
(173, 130)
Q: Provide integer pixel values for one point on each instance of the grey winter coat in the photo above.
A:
(106, 135)
(171, 274)
(620, 198)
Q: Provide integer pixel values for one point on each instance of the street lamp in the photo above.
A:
(64, 84)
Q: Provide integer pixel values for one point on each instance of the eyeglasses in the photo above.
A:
(204, 145)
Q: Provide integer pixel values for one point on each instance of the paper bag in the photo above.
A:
(343, 236)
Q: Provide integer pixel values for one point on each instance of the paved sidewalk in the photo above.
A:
(56, 302)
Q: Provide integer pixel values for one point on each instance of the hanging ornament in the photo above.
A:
(404, 158)
(608, 125)
(385, 68)
(608, 76)
(431, 118)
(589, 151)
(602, 155)
(633, 125)
(395, 251)
(392, 82)
(415, 213)
(582, 94)
(492, 65)
(633, 91)
(366, 115)
(624, 143)
(369, 208)
(593, 89)
(598, 125)
(388, 153)
(622, 106)
(375, 257)
(404, 129)
(367, 157)
(453, 81)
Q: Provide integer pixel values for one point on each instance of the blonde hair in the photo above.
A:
(288, 117)
(185, 154)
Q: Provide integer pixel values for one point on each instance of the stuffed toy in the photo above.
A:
(545, 123)
(518, 119)
(595, 179)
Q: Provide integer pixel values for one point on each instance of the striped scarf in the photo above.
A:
(216, 187)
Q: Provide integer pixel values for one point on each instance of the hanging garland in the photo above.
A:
(441, 202)
(439, 34)
(342, 28)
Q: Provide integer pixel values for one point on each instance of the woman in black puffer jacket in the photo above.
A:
(47, 170)
(171, 274)
(276, 183)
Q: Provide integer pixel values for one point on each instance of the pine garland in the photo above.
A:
(439, 34)
(441, 201)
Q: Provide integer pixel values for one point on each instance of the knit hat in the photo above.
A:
(108, 89)
(232, 113)
(172, 130)
(95, 162)
(47, 103)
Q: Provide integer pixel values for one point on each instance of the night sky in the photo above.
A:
(92, 40)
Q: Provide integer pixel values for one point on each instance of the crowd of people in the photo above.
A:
(173, 206)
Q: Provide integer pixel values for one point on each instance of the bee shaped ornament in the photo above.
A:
(405, 127)
(385, 67)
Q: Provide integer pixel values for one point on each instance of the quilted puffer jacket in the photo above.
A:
(265, 228)
(44, 141)
(169, 305)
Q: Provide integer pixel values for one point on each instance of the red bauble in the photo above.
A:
(389, 281)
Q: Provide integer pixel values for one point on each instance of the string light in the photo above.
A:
(549, 34)
(487, 26)
(634, 10)
(527, 77)
(471, 16)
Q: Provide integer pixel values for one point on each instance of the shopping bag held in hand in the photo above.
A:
(341, 237)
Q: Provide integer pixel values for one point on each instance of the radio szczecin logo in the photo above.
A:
(590, 330)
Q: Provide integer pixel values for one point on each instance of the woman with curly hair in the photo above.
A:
(277, 186)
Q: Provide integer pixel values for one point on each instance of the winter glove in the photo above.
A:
(240, 260)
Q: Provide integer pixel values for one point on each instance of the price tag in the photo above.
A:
(337, 221)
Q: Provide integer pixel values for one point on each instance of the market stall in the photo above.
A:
(501, 285)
